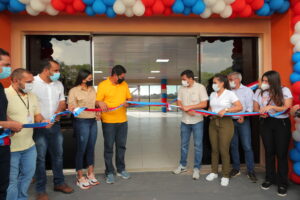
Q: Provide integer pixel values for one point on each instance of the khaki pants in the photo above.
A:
(220, 134)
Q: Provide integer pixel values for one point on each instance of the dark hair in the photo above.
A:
(118, 69)
(82, 74)
(18, 74)
(222, 78)
(46, 63)
(3, 53)
(188, 73)
(275, 90)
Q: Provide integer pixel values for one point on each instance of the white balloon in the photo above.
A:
(229, 1)
(50, 10)
(297, 47)
(45, 1)
(129, 3)
(37, 5)
(296, 136)
(218, 7)
(24, 1)
(206, 14)
(119, 7)
(297, 27)
(295, 38)
(227, 12)
(129, 12)
(210, 3)
(138, 8)
(30, 11)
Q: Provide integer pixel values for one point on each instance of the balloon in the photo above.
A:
(297, 47)
(229, 1)
(148, 3)
(168, 11)
(296, 87)
(296, 67)
(16, 6)
(99, 7)
(89, 11)
(78, 5)
(264, 11)
(178, 7)
(295, 37)
(148, 12)
(168, 3)
(189, 3)
(218, 7)
(23, 1)
(206, 14)
(257, 4)
(276, 4)
(119, 7)
(2, 6)
(295, 178)
(210, 3)
(128, 3)
(129, 12)
(297, 28)
(158, 7)
(295, 155)
(88, 2)
(30, 11)
(296, 168)
(138, 8)
(296, 8)
(109, 2)
(70, 9)
(295, 19)
(284, 7)
(247, 12)
(294, 77)
(297, 146)
(198, 8)
(227, 12)
(296, 57)
(110, 12)
(238, 5)
(50, 10)
(296, 136)
(58, 5)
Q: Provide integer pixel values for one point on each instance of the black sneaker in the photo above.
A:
(234, 173)
(282, 191)
(266, 185)
(252, 177)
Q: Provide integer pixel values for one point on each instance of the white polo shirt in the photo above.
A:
(225, 100)
(49, 95)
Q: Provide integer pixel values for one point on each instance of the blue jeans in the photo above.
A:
(243, 132)
(86, 136)
(114, 133)
(22, 168)
(186, 130)
(50, 139)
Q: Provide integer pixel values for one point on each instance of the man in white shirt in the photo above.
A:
(191, 95)
(242, 128)
(50, 93)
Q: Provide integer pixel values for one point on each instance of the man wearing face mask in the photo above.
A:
(192, 95)
(111, 93)
(51, 98)
(22, 107)
(5, 123)
(242, 128)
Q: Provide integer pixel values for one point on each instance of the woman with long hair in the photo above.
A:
(275, 132)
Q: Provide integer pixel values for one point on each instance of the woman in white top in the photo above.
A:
(221, 127)
(275, 131)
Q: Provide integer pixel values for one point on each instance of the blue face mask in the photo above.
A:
(6, 71)
(55, 76)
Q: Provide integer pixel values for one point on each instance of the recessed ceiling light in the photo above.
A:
(155, 72)
(98, 72)
(162, 60)
(151, 77)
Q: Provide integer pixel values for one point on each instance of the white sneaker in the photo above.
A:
(224, 181)
(180, 170)
(196, 174)
(211, 176)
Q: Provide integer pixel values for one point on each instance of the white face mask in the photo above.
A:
(215, 87)
(185, 83)
(264, 86)
(232, 84)
(28, 87)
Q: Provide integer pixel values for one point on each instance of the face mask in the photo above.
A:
(28, 87)
(232, 84)
(89, 83)
(6, 71)
(120, 80)
(55, 76)
(264, 86)
(185, 83)
(215, 87)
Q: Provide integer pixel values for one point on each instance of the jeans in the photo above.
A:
(22, 168)
(114, 133)
(49, 139)
(86, 136)
(4, 170)
(276, 135)
(186, 130)
(242, 131)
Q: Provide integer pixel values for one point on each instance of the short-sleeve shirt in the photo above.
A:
(3, 110)
(245, 96)
(225, 100)
(79, 97)
(113, 95)
(49, 95)
(17, 111)
(263, 99)
(192, 96)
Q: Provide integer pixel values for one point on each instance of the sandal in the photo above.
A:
(92, 180)
(83, 183)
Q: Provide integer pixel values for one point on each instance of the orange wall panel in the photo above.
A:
(5, 38)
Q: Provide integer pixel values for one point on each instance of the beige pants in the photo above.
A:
(220, 134)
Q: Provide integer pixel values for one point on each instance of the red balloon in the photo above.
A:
(58, 5)
(148, 12)
(70, 9)
(296, 88)
(295, 178)
(148, 3)
(67, 1)
(168, 11)
(168, 3)
(233, 15)
(78, 5)
(238, 5)
(296, 8)
(247, 12)
(158, 7)
(249, 1)
(257, 4)
(295, 20)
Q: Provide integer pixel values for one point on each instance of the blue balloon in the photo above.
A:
(110, 12)
(295, 155)
(187, 11)
(16, 6)
(284, 8)
(276, 4)
(297, 67)
(99, 7)
(264, 11)
(297, 146)
(4, 1)
(88, 2)
(2, 7)
(178, 7)
(296, 57)
(109, 2)
(198, 8)
(189, 3)
(294, 77)
(89, 11)
(296, 168)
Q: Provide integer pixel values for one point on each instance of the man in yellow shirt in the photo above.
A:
(112, 93)
(22, 107)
